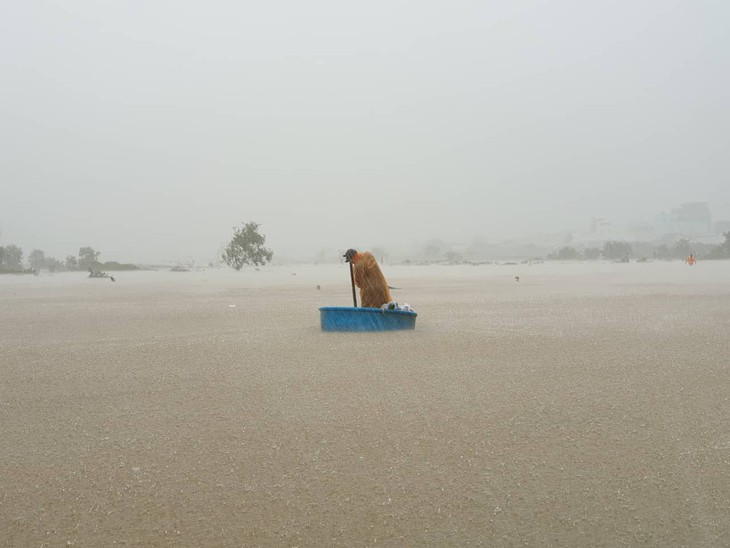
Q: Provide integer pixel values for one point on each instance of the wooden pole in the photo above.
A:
(352, 280)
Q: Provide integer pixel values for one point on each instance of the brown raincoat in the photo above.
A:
(369, 278)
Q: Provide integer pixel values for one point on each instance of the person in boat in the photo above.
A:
(374, 291)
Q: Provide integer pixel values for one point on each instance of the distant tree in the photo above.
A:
(246, 247)
(616, 251)
(662, 253)
(566, 253)
(12, 258)
(453, 257)
(591, 253)
(53, 265)
(721, 251)
(88, 258)
(434, 250)
(97, 273)
(725, 246)
(37, 259)
(71, 263)
(184, 266)
(681, 249)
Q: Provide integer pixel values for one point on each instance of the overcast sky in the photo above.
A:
(148, 129)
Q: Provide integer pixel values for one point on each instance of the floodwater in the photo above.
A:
(585, 404)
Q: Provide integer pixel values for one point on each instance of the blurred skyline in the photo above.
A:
(148, 130)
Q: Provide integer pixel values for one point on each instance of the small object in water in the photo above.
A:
(293, 273)
(517, 278)
(317, 286)
(231, 306)
(112, 278)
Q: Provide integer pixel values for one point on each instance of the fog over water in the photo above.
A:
(148, 130)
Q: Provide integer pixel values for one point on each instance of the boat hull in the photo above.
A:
(341, 318)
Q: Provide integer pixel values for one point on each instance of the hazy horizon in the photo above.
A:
(148, 130)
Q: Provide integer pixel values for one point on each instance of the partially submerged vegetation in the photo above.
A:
(11, 262)
(644, 251)
(438, 252)
(247, 248)
(97, 274)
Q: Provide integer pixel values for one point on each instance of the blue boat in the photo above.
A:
(348, 318)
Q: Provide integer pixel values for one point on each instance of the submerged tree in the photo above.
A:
(12, 258)
(662, 253)
(724, 247)
(681, 249)
(53, 264)
(246, 247)
(617, 251)
(88, 258)
(37, 259)
(591, 253)
(566, 253)
(452, 257)
(71, 263)
(721, 251)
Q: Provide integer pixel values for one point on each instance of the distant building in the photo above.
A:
(690, 220)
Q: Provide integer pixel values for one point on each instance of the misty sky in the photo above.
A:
(148, 129)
